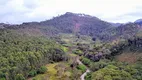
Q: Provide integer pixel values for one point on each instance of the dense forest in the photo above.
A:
(22, 56)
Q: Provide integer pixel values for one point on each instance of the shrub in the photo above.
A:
(78, 52)
(65, 49)
(32, 73)
(86, 61)
(2, 75)
(88, 76)
(97, 65)
(81, 67)
(19, 77)
(34, 79)
(42, 69)
(2, 79)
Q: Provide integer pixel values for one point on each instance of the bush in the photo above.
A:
(86, 61)
(81, 67)
(2, 75)
(65, 49)
(77, 51)
(19, 77)
(42, 69)
(32, 73)
(88, 76)
(34, 79)
(97, 65)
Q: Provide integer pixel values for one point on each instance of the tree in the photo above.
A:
(111, 73)
(86, 61)
(24, 55)
(19, 77)
(32, 73)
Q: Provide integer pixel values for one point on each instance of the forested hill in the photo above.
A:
(71, 22)
(77, 23)
(66, 23)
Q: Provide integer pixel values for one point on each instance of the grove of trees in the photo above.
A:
(22, 56)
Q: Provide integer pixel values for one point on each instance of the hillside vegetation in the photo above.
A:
(66, 46)
(22, 56)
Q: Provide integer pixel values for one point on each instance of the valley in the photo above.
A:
(71, 47)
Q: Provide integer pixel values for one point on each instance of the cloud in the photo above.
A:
(18, 11)
(30, 3)
(13, 11)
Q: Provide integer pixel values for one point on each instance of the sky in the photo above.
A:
(19, 11)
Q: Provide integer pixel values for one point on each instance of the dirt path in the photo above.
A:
(82, 77)
(78, 61)
(84, 74)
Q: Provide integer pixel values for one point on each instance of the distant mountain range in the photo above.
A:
(77, 23)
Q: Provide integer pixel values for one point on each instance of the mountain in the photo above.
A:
(76, 23)
(116, 24)
(80, 23)
(67, 23)
(139, 21)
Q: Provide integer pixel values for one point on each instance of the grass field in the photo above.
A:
(56, 71)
